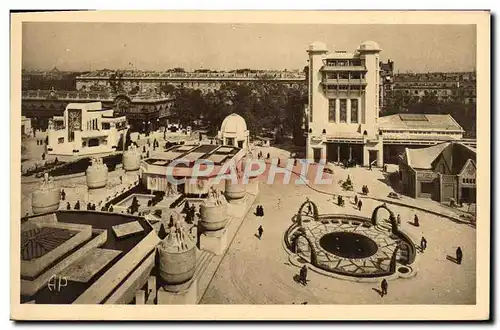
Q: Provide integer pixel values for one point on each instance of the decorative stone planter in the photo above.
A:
(46, 198)
(214, 217)
(131, 159)
(177, 257)
(97, 175)
(234, 190)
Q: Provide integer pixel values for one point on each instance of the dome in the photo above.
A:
(369, 45)
(233, 123)
(317, 46)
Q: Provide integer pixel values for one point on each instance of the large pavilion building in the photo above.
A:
(86, 128)
(344, 106)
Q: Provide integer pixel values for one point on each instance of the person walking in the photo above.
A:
(399, 219)
(303, 275)
(459, 255)
(260, 230)
(423, 244)
(356, 199)
(384, 285)
(360, 204)
(416, 221)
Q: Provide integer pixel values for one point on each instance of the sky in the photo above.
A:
(160, 46)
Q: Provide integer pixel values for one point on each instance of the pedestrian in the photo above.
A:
(257, 211)
(68, 206)
(43, 156)
(303, 275)
(261, 211)
(93, 207)
(261, 230)
(384, 285)
(63, 194)
(399, 219)
(89, 206)
(423, 244)
(279, 203)
(77, 205)
(356, 199)
(459, 255)
(416, 221)
(309, 210)
(111, 208)
(268, 155)
(360, 204)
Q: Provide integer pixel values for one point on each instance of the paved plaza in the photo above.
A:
(257, 271)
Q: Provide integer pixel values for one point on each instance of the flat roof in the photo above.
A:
(218, 154)
(98, 220)
(419, 122)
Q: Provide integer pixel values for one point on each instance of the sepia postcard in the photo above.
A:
(260, 165)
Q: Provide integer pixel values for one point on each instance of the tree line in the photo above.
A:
(266, 106)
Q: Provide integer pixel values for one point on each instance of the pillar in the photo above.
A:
(338, 153)
(348, 109)
(337, 110)
(366, 156)
(350, 152)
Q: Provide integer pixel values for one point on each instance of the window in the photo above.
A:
(355, 75)
(60, 140)
(105, 126)
(343, 75)
(230, 141)
(343, 110)
(426, 187)
(354, 110)
(240, 144)
(331, 110)
(331, 75)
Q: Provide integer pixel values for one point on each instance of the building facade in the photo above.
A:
(233, 132)
(343, 112)
(84, 129)
(144, 112)
(445, 86)
(344, 96)
(442, 172)
(132, 81)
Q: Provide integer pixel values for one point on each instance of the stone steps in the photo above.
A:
(202, 263)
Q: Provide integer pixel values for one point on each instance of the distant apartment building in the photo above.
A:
(205, 80)
(45, 80)
(445, 86)
(386, 81)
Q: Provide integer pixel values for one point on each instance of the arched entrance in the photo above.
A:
(307, 208)
(303, 247)
(375, 213)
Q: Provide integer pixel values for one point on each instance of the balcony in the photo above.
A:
(330, 68)
(357, 82)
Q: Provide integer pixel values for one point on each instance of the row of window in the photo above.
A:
(345, 75)
(332, 110)
(470, 181)
(421, 132)
(353, 62)
(344, 87)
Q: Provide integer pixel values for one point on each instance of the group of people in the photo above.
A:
(365, 190)
(259, 211)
